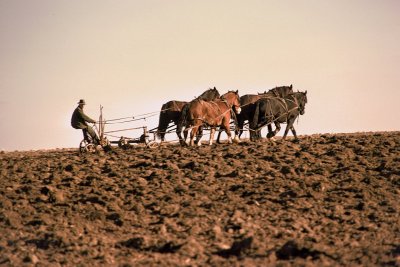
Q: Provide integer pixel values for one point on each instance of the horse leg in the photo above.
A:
(286, 132)
(193, 134)
(186, 134)
(294, 132)
(258, 134)
(252, 131)
(239, 131)
(288, 126)
(179, 133)
(273, 133)
(270, 134)
(236, 139)
(219, 136)
(212, 132)
(277, 128)
(199, 135)
(162, 136)
(254, 135)
(227, 128)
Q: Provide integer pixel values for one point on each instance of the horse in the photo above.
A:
(212, 113)
(172, 112)
(278, 110)
(247, 105)
(209, 95)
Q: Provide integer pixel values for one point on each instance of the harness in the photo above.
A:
(222, 113)
(283, 103)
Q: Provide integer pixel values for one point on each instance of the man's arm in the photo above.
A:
(86, 118)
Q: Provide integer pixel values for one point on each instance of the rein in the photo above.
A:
(219, 110)
(282, 101)
(223, 100)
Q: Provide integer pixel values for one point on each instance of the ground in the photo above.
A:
(327, 200)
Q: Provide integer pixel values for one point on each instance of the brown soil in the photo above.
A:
(325, 200)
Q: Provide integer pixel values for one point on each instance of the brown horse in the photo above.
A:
(212, 113)
(172, 112)
(248, 107)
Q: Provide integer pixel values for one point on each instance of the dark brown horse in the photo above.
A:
(172, 112)
(247, 105)
(278, 110)
(213, 114)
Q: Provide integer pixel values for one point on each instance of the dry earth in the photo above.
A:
(328, 200)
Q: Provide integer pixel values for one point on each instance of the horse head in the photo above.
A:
(301, 100)
(282, 91)
(233, 100)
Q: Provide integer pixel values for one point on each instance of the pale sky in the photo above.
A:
(133, 56)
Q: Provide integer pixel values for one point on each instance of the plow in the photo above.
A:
(109, 138)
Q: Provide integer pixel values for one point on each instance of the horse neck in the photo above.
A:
(209, 95)
(293, 98)
(230, 100)
(246, 99)
(297, 96)
(285, 93)
(281, 92)
(273, 92)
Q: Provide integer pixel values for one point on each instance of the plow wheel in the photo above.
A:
(85, 147)
(152, 144)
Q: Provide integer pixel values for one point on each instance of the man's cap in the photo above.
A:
(82, 102)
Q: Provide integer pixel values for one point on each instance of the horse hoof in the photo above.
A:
(183, 143)
(236, 140)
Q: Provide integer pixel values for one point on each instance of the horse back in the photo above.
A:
(210, 112)
(282, 109)
(248, 99)
(173, 106)
(274, 107)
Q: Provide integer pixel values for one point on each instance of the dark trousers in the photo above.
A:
(90, 135)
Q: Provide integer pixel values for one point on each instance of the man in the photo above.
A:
(79, 120)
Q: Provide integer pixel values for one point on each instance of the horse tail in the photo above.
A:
(162, 122)
(256, 116)
(184, 114)
(235, 120)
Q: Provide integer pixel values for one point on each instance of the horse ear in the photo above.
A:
(305, 92)
(291, 86)
(237, 91)
(215, 88)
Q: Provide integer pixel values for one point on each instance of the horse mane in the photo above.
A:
(209, 94)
